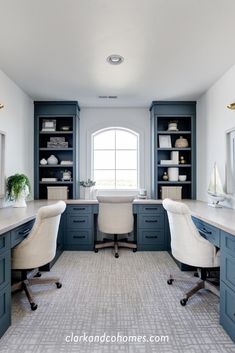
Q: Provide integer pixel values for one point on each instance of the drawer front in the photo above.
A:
(150, 221)
(19, 233)
(5, 269)
(79, 237)
(79, 222)
(228, 243)
(227, 309)
(5, 309)
(227, 269)
(151, 236)
(209, 232)
(151, 209)
(5, 241)
(79, 209)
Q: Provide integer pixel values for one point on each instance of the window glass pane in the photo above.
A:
(105, 179)
(105, 140)
(104, 159)
(126, 179)
(125, 140)
(126, 160)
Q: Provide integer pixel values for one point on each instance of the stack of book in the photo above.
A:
(57, 142)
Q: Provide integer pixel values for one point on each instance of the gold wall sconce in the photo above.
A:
(1, 105)
(231, 106)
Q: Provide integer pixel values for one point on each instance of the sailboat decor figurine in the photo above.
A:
(215, 188)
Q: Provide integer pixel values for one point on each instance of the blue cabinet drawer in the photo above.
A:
(208, 231)
(19, 233)
(5, 269)
(79, 222)
(228, 243)
(151, 209)
(79, 237)
(79, 209)
(4, 242)
(150, 221)
(151, 236)
(227, 268)
(227, 309)
(5, 309)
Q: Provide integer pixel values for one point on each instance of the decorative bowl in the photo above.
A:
(182, 177)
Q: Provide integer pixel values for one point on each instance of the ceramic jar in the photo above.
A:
(181, 142)
(52, 160)
(43, 161)
(173, 174)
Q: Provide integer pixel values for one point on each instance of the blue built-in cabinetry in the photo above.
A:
(151, 227)
(184, 115)
(56, 132)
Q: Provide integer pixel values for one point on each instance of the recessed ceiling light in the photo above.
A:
(115, 59)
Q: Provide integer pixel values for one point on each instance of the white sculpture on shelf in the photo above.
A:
(215, 188)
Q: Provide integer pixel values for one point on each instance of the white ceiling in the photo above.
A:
(173, 49)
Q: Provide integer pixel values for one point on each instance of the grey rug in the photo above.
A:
(124, 299)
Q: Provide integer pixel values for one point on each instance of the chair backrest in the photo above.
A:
(187, 245)
(39, 247)
(115, 214)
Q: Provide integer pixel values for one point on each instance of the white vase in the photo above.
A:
(52, 160)
(88, 193)
(21, 200)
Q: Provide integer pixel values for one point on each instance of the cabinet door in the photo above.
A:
(5, 269)
(227, 309)
(5, 309)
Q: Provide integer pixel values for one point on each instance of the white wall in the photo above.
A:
(137, 119)
(213, 119)
(16, 120)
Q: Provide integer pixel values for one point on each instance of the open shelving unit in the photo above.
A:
(162, 113)
(64, 113)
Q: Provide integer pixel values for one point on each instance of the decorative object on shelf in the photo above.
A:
(173, 174)
(175, 157)
(181, 142)
(57, 192)
(172, 125)
(215, 188)
(88, 188)
(171, 192)
(165, 141)
(182, 160)
(165, 176)
(57, 142)
(49, 125)
(66, 163)
(49, 179)
(231, 106)
(142, 194)
(18, 189)
(67, 175)
(52, 160)
(43, 161)
(182, 177)
(166, 161)
(65, 128)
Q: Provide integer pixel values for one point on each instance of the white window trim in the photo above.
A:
(2, 164)
(137, 134)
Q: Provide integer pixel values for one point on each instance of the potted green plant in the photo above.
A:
(18, 188)
(88, 188)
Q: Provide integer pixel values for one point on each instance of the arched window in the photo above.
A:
(115, 159)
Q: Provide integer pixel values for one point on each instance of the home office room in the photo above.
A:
(117, 176)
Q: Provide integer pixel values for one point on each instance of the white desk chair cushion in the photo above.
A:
(39, 247)
(115, 214)
(187, 245)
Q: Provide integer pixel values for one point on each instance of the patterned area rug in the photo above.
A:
(126, 301)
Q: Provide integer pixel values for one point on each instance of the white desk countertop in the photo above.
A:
(223, 218)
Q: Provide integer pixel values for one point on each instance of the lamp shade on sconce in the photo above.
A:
(1, 105)
(231, 106)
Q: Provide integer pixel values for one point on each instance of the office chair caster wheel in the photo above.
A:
(117, 256)
(96, 250)
(38, 274)
(134, 250)
(58, 284)
(33, 306)
(170, 281)
(183, 301)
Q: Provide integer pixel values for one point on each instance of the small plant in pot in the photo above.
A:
(18, 188)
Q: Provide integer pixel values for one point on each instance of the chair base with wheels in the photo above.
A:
(30, 278)
(203, 283)
(116, 244)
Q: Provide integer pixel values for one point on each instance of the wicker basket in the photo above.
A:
(181, 142)
(57, 193)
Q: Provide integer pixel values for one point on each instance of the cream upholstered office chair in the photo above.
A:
(115, 217)
(189, 247)
(37, 250)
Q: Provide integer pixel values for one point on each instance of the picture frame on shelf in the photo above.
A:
(49, 125)
(165, 141)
